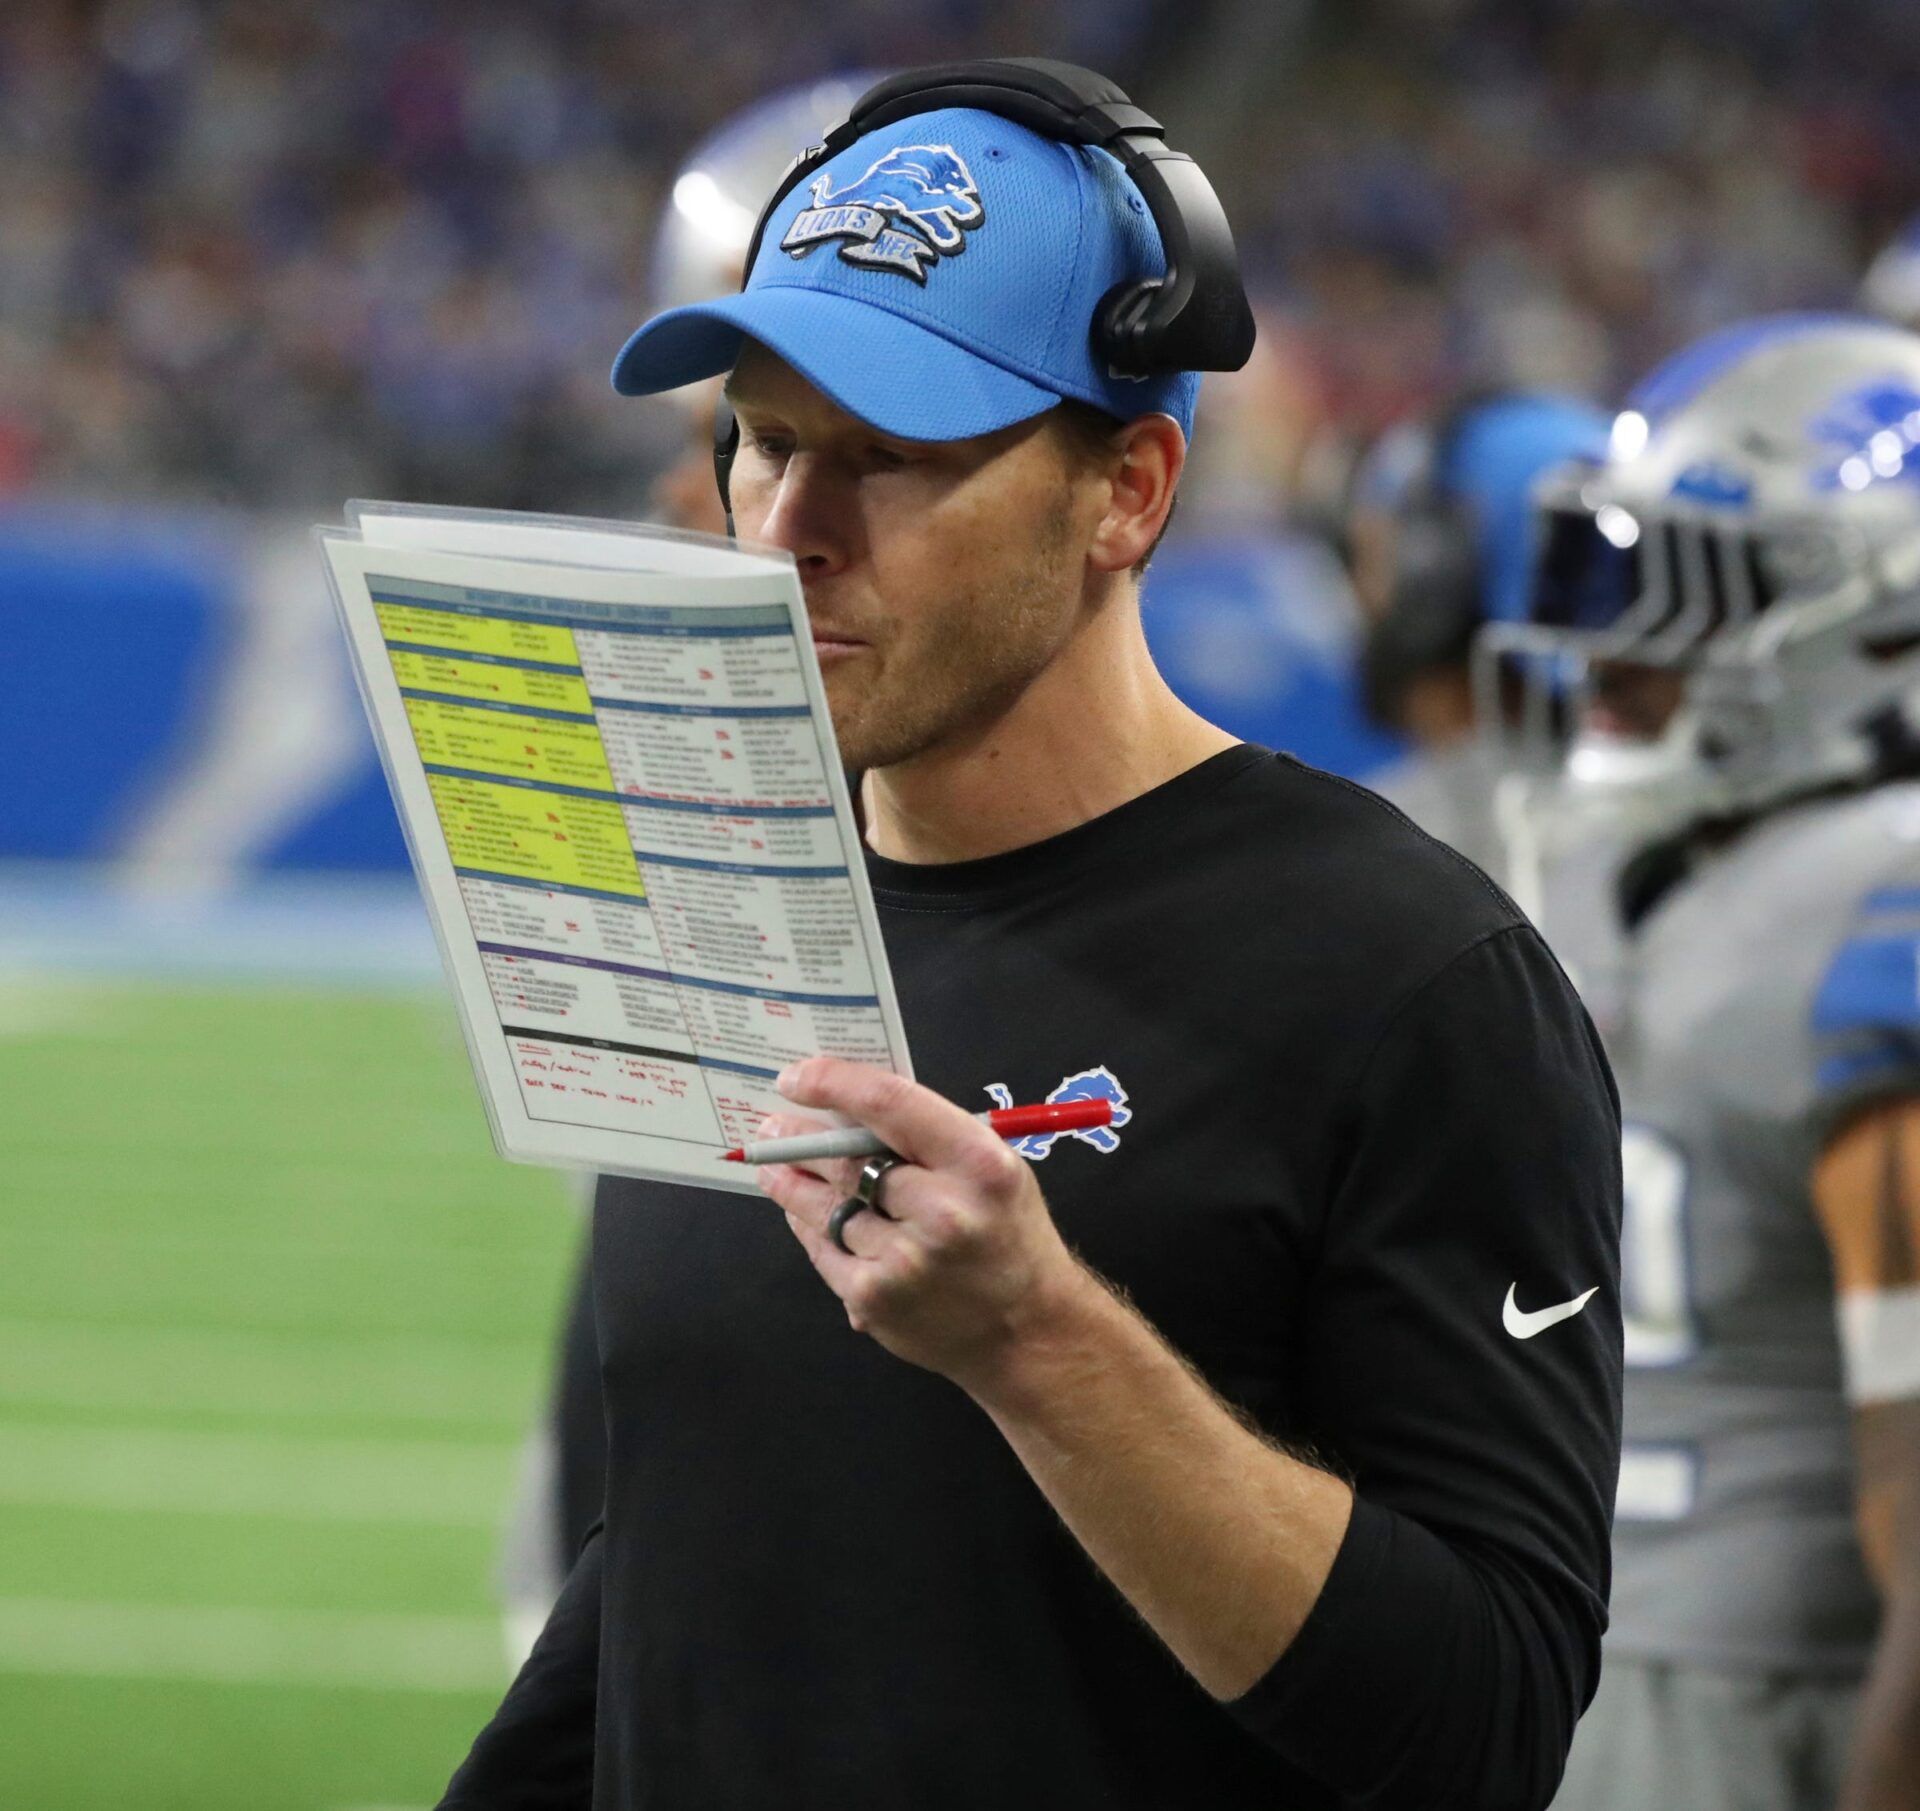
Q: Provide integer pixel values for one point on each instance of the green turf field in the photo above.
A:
(273, 1321)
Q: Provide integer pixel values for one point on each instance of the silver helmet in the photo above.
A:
(700, 248)
(1725, 613)
(1891, 286)
(718, 192)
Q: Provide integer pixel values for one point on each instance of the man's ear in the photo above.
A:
(1148, 455)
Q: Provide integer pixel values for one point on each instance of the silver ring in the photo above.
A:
(866, 1194)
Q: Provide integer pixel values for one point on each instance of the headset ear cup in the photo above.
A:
(1117, 322)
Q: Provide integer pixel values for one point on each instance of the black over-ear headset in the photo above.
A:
(1195, 318)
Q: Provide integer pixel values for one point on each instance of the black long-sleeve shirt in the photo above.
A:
(1362, 1106)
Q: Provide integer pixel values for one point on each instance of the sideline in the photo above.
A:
(251, 1647)
(435, 1484)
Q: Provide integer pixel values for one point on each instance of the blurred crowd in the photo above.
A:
(1560, 192)
(281, 255)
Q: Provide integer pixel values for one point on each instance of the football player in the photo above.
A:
(1439, 540)
(1729, 613)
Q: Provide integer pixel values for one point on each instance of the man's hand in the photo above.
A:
(970, 1262)
(1219, 1540)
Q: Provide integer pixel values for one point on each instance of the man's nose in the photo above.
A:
(811, 515)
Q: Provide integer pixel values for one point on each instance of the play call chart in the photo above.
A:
(641, 824)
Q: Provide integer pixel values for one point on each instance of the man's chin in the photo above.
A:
(850, 734)
(868, 734)
(860, 754)
(865, 748)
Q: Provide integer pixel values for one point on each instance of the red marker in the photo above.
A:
(857, 1141)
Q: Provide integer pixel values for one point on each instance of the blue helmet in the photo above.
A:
(1452, 500)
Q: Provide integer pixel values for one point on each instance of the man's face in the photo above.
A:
(940, 578)
(1634, 702)
(1372, 547)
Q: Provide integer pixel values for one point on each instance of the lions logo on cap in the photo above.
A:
(914, 205)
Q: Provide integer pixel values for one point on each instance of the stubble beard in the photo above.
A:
(952, 674)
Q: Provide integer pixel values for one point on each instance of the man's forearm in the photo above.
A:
(1220, 1541)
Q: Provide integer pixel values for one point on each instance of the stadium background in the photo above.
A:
(273, 1320)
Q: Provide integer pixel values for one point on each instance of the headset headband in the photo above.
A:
(1195, 318)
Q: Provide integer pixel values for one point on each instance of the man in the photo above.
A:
(1740, 584)
(1230, 1471)
(1440, 539)
(1443, 537)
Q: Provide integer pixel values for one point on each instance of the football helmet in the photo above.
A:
(1891, 287)
(1439, 529)
(717, 193)
(1724, 615)
(701, 244)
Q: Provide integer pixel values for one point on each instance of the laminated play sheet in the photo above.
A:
(613, 761)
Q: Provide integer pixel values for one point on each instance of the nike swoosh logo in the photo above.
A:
(1523, 1325)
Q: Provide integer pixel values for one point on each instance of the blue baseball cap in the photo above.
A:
(937, 279)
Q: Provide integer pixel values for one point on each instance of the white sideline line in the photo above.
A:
(31, 1006)
(450, 1259)
(440, 1484)
(132, 1370)
(47, 1636)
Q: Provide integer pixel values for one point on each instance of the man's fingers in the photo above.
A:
(913, 1120)
(811, 1204)
(832, 1170)
(843, 1271)
(790, 1125)
(800, 1192)
(837, 1269)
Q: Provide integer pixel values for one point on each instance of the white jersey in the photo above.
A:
(1766, 996)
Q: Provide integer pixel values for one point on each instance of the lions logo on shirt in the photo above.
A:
(1089, 1084)
(914, 205)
